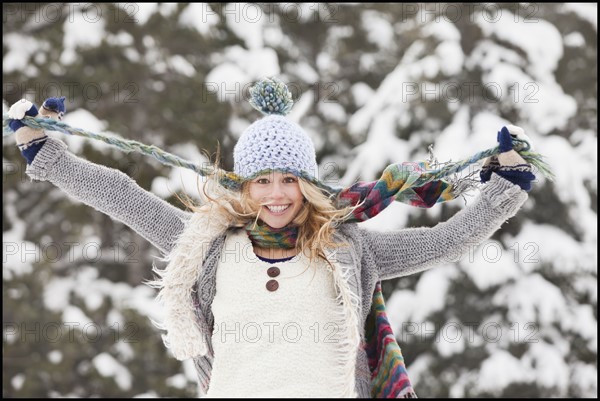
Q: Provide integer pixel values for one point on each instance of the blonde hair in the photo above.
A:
(316, 220)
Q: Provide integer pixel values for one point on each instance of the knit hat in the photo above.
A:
(274, 143)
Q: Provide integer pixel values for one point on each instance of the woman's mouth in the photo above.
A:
(277, 210)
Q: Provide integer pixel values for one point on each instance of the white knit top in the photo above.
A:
(278, 343)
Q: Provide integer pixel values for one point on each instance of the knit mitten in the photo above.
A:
(30, 140)
(509, 164)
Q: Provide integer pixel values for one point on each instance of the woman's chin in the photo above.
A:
(275, 223)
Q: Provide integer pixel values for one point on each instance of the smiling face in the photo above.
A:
(279, 196)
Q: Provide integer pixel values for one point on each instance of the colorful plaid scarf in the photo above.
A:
(389, 378)
(398, 183)
(264, 236)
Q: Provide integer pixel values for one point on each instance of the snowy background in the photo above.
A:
(374, 84)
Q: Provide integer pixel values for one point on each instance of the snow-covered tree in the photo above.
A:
(374, 84)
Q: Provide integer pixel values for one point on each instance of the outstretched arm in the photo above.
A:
(111, 192)
(507, 179)
(409, 251)
(108, 190)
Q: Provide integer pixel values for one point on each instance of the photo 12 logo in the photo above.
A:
(470, 332)
(117, 92)
(269, 12)
(72, 332)
(54, 13)
(469, 12)
(238, 92)
(464, 91)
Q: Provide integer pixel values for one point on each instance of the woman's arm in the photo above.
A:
(409, 251)
(111, 192)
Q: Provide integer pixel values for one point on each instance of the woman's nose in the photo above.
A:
(277, 190)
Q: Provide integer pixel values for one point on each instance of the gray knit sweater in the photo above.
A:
(373, 256)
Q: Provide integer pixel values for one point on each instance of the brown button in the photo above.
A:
(272, 285)
(273, 271)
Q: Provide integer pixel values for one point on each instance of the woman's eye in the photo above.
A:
(289, 180)
(262, 181)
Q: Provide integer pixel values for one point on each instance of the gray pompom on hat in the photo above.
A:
(273, 142)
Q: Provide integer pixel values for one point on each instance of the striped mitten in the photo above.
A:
(30, 140)
(508, 164)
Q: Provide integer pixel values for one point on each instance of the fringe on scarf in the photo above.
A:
(389, 378)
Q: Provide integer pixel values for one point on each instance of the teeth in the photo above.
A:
(278, 209)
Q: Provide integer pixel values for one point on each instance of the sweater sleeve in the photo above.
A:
(408, 251)
(109, 191)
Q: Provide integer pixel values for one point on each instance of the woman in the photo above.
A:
(269, 287)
